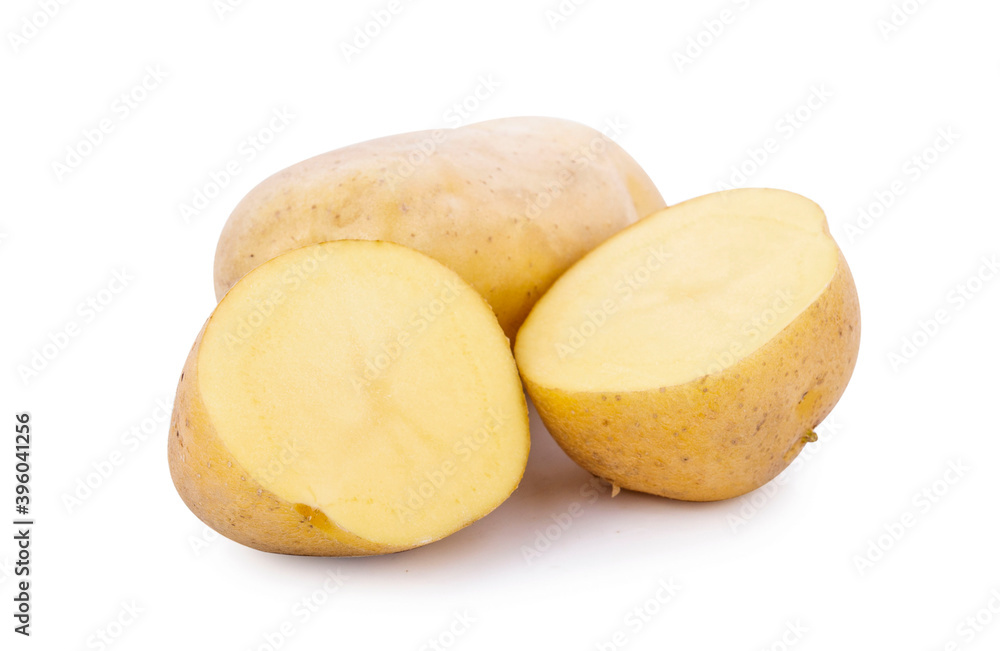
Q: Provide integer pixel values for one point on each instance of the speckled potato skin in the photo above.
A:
(725, 434)
(508, 204)
(224, 496)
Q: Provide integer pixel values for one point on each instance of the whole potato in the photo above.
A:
(508, 204)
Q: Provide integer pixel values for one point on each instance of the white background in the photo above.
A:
(787, 567)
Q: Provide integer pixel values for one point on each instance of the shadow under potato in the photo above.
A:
(558, 508)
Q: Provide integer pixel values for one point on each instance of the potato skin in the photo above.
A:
(725, 434)
(225, 497)
(508, 204)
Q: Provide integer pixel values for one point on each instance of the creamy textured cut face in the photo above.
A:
(369, 382)
(684, 293)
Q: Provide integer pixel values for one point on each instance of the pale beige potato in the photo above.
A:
(692, 354)
(348, 398)
(508, 204)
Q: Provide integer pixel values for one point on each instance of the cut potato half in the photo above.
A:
(692, 354)
(348, 398)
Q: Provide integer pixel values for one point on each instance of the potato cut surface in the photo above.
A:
(369, 382)
(684, 293)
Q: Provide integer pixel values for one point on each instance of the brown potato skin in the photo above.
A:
(722, 435)
(225, 497)
(474, 204)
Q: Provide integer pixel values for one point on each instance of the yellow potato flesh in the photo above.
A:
(368, 382)
(678, 296)
(692, 354)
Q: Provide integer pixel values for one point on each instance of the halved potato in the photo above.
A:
(692, 354)
(348, 398)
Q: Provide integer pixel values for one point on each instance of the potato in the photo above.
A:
(692, 354)
(508, 204)
(345, 399)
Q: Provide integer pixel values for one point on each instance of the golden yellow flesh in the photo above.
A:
(367, 381)
(680, 295)
(691, 355)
